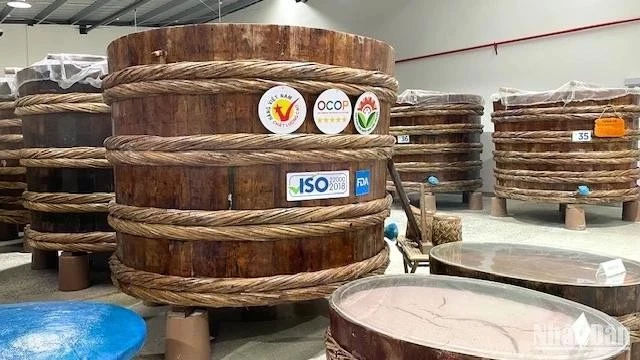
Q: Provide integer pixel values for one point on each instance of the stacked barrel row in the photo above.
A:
(13, 216)
(572, 146)
(438, 142)
(69, 181)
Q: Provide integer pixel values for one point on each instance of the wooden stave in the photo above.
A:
(88, 130)
(454, 138)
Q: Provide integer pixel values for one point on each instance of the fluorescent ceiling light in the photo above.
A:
(20, 4)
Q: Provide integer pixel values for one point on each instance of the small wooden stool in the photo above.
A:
(412, 257)
(70, 330)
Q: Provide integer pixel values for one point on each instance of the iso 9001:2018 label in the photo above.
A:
(317, 185)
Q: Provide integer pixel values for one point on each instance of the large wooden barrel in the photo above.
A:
(69, 182)
(438, 140)
(209, 211)
(570, 274)
(442, 317)
(554, 147)
(12, 179)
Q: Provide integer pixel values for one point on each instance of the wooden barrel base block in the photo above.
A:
(73, 271)
(43, 259)
(575, 218)
(440, 317)
(499, 207)
(475, 200)
(187, 334)
(631, 211)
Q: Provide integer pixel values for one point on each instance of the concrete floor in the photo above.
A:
(296, 331)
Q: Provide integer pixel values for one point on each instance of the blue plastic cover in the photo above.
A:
(69, 331)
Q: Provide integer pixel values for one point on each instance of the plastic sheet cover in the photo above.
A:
(8, 88)
(479, 318)
(66, 70)
(573, 91)
(425, 97)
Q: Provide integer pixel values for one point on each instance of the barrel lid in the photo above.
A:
(427, 97)
(479, 318)
(573, 91)
(7, 87)
(66, 70)
(536, 263)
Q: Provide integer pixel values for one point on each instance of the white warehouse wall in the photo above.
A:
(23, 45)
(604, 56)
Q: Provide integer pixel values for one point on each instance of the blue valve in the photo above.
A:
(583, 190)
(433, 180)
(391, 231)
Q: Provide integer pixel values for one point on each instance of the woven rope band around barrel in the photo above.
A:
(438, 129)
(334, 350)
(242, 225)
(632, 323)
(58, 103)
(76, 157)
(60, 202)
(568, 197)
(437, 110)
(96, 241)
(567, 158)
(19, 217)
(552, 137)
(412, 167)
(5, 123)
(245, 149)
(558, 177)
(443, 186)
(245, 76)
(566, 113)
(450, 148)
(7, 105)
(240, 292)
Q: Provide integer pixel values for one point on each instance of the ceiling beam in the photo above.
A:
(5, 13)
(86, 11)
(44, 14)
(155, 12)
(231, 8)
(200, 8)
(118, 13)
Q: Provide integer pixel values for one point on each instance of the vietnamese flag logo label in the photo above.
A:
(282, 110)
(367, 113)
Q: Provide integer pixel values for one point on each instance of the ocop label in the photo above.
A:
(332, 111)
(317, 185)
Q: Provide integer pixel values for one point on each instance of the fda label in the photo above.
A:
(282, 110)
(317, 185)
(581, 135)
(403, 139)
(362, 182)
(332, 111)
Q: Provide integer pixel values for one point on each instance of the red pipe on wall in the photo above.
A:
(495, 45)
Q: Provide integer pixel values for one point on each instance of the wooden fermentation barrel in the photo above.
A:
(69, 182)
(570, 274)
(206, 212)
(550, 148)
(438, 140)
(12, 181)
(441, 317)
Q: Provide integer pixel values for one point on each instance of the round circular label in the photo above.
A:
(366, 113)
(332, 111)
(282, 110)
